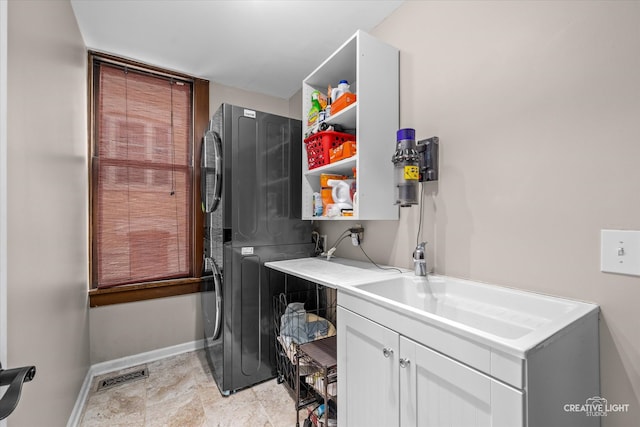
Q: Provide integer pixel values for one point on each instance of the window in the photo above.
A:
(146, 225)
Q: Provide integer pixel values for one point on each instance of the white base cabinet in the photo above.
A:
(413, 373)
(390, 380)
(436, 390)
(368, 385)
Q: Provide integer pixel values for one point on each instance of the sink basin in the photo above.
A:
(502, 312)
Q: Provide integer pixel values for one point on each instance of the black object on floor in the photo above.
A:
(14, 378)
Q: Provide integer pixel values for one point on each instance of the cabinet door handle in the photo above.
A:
(387, 352)
(404, 362)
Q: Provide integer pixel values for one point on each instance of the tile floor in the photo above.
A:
(180, 391)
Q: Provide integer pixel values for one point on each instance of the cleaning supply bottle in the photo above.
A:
(317, 204)
(343, 87)
(315, 109)
(354, 191)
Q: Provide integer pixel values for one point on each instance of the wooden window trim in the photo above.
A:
(144, 291)
(165, 288)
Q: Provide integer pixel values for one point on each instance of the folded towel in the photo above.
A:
(293, 323)
(317, 329)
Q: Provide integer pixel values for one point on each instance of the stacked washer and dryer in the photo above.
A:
(251, 196)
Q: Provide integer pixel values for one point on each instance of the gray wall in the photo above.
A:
(219, 94)
(122, 330)
(537, 107)
(295, 105)
(47, 208)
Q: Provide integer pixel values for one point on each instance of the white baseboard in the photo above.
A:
(123, 363)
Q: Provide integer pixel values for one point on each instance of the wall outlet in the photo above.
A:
(357, 234)
(620, 252)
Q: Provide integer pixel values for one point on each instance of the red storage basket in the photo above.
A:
(319, 146)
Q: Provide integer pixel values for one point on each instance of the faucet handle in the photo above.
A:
(419, 260)
(419, 251)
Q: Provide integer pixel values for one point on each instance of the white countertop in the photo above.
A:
(335, 273)
(346, 275)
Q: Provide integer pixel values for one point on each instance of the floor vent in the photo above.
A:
(122, 379)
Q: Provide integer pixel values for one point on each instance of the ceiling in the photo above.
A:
(265, 46)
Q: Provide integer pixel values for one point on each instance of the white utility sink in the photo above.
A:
(501, 314)
(488, 308)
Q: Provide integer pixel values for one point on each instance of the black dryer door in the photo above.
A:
(211, 171)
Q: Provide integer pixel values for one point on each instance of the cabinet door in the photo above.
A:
(438, 391)
(367, 371)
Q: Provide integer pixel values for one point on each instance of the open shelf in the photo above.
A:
(372, 70)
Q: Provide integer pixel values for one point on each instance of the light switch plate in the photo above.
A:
(620, 252)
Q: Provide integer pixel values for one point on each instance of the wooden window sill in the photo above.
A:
(144, 291)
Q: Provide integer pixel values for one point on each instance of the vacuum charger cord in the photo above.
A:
(333, 248)
(356, 239)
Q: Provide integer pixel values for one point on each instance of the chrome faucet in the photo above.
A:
(419, 260)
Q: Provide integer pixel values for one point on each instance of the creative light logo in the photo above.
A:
(596, 406)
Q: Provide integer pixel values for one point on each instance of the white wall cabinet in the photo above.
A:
(388, 379)
(372, 69)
